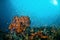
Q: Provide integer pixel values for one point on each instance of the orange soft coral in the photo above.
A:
(19, 24)
(39, 34)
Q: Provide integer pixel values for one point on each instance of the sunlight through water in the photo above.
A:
(54, 2)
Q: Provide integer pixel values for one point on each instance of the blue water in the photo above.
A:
(41, 12)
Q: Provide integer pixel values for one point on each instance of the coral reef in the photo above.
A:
(20, 29)
(19, 24)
